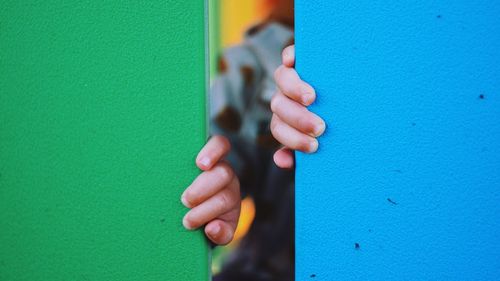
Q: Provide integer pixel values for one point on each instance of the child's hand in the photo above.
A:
(214, 196)
(292, 124)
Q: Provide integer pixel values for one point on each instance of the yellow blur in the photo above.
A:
(237, 16)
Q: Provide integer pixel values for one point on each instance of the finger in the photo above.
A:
(284, 158)
(215, 206)
(207, 184)
(221, 231)
(292, 138)
(288, 56)
(290, 84)
(297, 115)
(215, 149)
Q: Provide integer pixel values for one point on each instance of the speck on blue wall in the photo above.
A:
(406, 184)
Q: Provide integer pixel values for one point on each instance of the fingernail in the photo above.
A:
(313, 146)
(184, 201)
(186, 223)
(205, 161)
(214, 231)
(306, 99)
(307, 95)
(319, 129)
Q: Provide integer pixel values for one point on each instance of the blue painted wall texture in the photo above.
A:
(406, 184)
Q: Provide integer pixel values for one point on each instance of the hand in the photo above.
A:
(214, 196)
(292, 124)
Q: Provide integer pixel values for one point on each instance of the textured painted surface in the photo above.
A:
(406, 185)
(101, 116)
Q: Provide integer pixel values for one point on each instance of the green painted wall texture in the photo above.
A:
(101, 116)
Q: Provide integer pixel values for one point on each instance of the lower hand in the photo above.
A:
(214, 196)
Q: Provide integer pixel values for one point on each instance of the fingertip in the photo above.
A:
(186, 223)
(219, 232)
(319, 128)
(213, 230)
(185, 201)
(204, 163)
(215, 149)
(280, 163)
(308, 94)
(313, 146)
(288, 56)
(283, 158)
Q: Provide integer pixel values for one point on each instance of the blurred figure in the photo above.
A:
(240, 110)
(238, 160)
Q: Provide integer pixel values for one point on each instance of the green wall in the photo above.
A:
(101, 115)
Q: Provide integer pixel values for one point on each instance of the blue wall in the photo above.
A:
(406, 184)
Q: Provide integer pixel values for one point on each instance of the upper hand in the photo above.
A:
(214, 196)
(292, 124)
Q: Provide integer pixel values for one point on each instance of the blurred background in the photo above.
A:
(228, 21)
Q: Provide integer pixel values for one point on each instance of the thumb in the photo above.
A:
(221, 230)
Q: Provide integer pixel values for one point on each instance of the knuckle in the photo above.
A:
(277, 73)
(224, 172)
(233, 198)
(237, 190)
(275, 101)
(216, 138)
(223, 200)
(289, 88)
(221, 147)
(274, 125)
(225, 143)
(305, 123)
